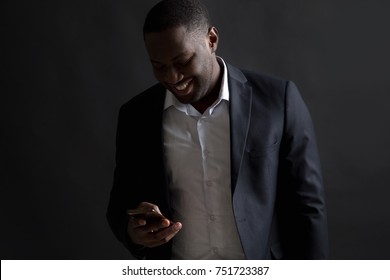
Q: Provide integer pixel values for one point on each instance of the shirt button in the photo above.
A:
(215, 250)
(209, 183)
(212, 217)
(201, 121)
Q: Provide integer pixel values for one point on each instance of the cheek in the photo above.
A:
(198, 69)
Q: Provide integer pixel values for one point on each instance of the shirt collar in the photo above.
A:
(171, 100)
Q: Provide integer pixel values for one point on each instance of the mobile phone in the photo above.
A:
(150, 216)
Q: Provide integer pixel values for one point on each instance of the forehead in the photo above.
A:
(167, 44)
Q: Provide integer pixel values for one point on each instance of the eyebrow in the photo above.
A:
(175, 58)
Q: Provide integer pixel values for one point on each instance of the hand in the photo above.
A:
(148, 227)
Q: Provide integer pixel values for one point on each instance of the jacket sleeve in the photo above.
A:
(120, 195)
(301, 182)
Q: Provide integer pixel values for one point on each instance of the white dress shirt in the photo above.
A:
(197, 155)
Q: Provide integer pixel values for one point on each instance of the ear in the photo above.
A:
(213, 38)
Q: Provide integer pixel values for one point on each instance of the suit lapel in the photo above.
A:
(240, 112)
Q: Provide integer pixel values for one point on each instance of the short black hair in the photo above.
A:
(172, 13)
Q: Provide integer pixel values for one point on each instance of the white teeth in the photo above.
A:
(182, 86)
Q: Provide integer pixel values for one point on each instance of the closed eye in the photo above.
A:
(184, 63)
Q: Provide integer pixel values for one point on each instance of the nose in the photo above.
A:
(172, 75)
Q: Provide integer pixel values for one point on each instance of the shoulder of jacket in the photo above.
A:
(151, 95)
(254, 77)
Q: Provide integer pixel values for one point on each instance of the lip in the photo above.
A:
(183, 88)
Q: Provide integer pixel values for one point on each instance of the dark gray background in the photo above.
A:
(67, 67)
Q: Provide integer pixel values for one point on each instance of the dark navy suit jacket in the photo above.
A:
(277, 191)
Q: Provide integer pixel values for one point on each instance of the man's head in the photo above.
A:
(181, 47)
(166, 14)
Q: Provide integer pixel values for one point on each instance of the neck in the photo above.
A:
(210, 98)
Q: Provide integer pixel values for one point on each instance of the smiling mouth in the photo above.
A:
(183, 86)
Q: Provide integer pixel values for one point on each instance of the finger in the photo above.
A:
(136, 222)
(154, 226)
(162, 236)
(143, 227)
(146, 210)
(165, 223)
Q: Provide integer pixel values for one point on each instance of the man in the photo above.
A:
(214, 162)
